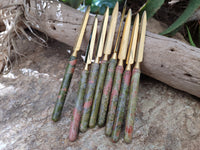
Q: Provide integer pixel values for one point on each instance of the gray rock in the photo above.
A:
(166, 118)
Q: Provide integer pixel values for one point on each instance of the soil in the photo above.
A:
(165, 119)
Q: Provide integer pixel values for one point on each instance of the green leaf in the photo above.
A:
(192, 6)
(190, 37)
(99, 6)
(88, 2)
(151, 7)
(72, 3)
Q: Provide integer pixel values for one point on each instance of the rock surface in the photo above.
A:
(166, 118)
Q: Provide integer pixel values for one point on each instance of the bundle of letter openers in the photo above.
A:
(107, 84)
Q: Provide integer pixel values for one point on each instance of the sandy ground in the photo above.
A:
(166, 119)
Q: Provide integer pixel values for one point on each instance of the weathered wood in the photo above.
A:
(168, 60)
(172, 62)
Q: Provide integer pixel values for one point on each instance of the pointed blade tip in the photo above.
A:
(144, 16)
(133, 41)
(107, 11)
(125, 37)
(103, 34)
(91, 48)
(88, 9)
(140, 48)
(82, 31)
(116, 8)
(111, 30)
(129, 12)
(117, 3)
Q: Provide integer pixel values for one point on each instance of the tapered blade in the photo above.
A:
(119, 33)
(133, 41)
(82, 30)
(125, 37)
(111, 31)
(92, 42)
(141, 38)
(103, 34)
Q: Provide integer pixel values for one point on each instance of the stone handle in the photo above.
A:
(64, 88)
(98, 93)
(106, 92)
(114, 99)
(89, 95)
(132, 105)
(119, 115)
(73, 133)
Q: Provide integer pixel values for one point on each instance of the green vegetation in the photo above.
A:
(151, 7)
(192, 6)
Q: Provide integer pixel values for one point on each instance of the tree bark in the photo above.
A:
(168, 60)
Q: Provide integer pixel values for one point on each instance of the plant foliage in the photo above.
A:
(192, 6)
(151, 7)
(72, 3)
(99, 6)
(190, 37)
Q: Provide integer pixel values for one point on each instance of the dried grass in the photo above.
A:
(12, 26)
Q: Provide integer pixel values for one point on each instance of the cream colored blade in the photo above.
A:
(82, 31)
(103, 34)
(111, 31)
(120, 28)
(91, 48)
(141, 38)
(125, 37)
(133, 41)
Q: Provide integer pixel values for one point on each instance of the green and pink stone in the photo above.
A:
(135, 79)
(120, 112)
(106, 92)
(89, 95)
(74, 128)
(64, 88)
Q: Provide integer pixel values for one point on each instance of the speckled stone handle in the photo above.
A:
(89, 95)
(64, 88)
(119, 116)
(73, 133)
(114, 99)
(132, 105)
(106, 92)
(98, 93)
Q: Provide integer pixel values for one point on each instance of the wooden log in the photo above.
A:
(172, 62)
(168, 60)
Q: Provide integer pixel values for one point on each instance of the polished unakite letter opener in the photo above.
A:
(118, 75)
(110, 74)
(119, 114)
(69, 71)
(135, 81)
(73, 133)
(103, 67)
(91, 84)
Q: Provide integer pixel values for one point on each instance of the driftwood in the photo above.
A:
(168, 60)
